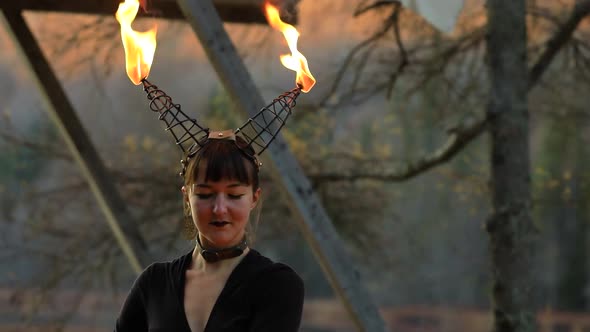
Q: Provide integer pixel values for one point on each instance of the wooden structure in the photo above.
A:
(237, 11)
(204, 17)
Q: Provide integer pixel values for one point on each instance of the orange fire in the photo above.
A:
(139, 46)
(294, 61)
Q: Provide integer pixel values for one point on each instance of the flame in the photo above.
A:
(139, 46)
(294, 61)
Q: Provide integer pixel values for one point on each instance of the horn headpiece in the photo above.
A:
(190, 136)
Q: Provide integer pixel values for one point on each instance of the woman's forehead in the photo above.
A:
(223, 183)
(222, 170)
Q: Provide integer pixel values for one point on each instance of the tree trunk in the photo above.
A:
(510, 225)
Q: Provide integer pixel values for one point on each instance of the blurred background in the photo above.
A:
(417, 238)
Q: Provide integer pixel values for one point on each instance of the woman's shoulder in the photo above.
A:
(273, 273)
(276, 286)
(165, 268)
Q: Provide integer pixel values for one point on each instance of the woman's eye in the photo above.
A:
(232, 196)
(204, 196)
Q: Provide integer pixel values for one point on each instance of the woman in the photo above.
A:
(222, 285)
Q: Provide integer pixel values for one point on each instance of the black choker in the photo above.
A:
(215, 255)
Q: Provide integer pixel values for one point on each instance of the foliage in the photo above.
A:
(21, 164)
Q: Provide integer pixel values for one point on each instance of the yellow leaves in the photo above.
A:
(130, 143)
(298, 146)
(144, 150)
(566, 194)
(383, 150)
(357, 150)
(556, 183)
(148, 144)
(541, 171)
(134, 144)
(463, 192)
(458, 188)
(552, 184)
(6, 115)
(397, 131)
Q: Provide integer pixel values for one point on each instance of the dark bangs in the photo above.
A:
(222, 160)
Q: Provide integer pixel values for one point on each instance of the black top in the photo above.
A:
(259, 296)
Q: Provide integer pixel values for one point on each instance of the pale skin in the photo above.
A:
(213, 202)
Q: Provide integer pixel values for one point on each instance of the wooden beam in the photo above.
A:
(65, 119)
(313, 220)
(237, 11)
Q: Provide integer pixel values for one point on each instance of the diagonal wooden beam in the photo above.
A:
(236, 11)
(65, 119)
(313, 220)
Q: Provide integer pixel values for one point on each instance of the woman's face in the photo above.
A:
(220, 210)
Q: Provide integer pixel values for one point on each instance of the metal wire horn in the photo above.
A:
(187, 133)
(261, 129)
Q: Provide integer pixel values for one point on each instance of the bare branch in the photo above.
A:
(367, 43)
(436, 65)
(403, 62)
(375, 5)
(558, 40)
(460, 137)
(362, 169)
(46, 149)
(404, 55)
(544, 13)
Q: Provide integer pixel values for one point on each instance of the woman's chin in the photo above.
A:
(221, 239)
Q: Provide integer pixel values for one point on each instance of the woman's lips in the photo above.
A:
(219, 223)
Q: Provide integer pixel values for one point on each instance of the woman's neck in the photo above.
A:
(201, 265)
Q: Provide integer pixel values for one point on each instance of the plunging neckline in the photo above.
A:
(224, 289)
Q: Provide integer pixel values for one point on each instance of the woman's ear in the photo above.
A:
(255, 197)
(184, 193)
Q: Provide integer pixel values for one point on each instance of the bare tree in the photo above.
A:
(374, 66)
(510, 226)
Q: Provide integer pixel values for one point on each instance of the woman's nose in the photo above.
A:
(220, 205)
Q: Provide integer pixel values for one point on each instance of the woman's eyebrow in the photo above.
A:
(231, 185)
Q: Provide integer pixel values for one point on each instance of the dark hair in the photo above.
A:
(224, 159)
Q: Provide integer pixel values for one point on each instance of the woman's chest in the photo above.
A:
(200, 295)
(206, 307)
